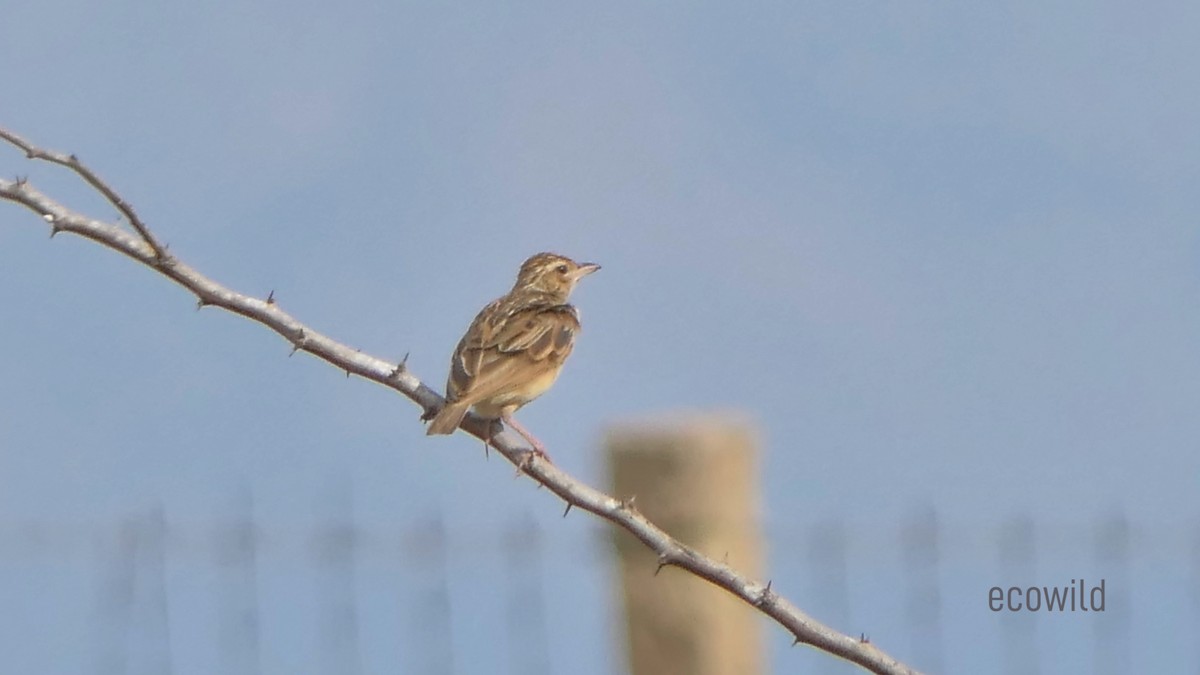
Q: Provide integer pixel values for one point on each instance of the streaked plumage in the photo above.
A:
(516, 346)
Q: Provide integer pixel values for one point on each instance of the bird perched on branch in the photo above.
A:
(515, 347)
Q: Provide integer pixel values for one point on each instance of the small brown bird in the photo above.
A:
(515, 347)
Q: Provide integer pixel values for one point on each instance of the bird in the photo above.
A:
(515, 348)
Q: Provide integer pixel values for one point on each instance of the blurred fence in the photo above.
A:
(150, 594)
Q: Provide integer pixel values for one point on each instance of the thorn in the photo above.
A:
(200, 303)
(295, 348)
(725, 558)
(347, 374)
(629, 504)
(662, 562)
(765, 596)
(795, 642)
(487, 442)
(567, 510)
(400, 368)
(271, 297)
(298, 342)
(864, 638)
(73, 157)
(54, 229)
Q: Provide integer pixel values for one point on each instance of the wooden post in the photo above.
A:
(697, 478)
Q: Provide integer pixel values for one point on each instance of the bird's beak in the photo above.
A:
(585, 269)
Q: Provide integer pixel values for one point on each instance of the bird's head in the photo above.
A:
(552, 273)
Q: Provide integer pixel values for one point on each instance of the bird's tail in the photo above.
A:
(448, 418)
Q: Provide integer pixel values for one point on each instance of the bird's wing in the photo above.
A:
(495, 356)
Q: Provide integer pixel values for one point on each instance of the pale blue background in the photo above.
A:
(945, 253)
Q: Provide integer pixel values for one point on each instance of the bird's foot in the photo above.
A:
(538, 448)
(527, 460)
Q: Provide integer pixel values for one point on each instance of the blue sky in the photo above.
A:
(944, 254)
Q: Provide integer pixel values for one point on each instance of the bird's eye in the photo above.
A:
(562, 269)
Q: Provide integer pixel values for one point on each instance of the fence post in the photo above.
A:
(697, 477)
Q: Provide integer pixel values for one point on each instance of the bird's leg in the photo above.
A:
(538, 448)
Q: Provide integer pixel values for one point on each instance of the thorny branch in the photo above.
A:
(72, 162)
(142, 246)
